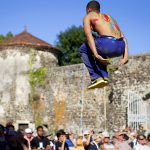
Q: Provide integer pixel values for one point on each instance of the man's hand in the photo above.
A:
(101, 59)
(123, 61)
(91, 132)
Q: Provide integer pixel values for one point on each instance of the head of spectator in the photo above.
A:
(28, 133)
(141, 139)
(134, 135)
(71, 136)
(10, 127)
(10, 130)
(98, 138)
(40, 131)
(61, 135)
(106, 137)
(114, 140)
(141, 127)
(86, 134)
(80, 135)
(120, 136)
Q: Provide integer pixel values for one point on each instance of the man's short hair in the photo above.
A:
(39, 127)
(60, 132)
(95, 5)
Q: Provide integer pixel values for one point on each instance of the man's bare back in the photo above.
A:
(104, 24)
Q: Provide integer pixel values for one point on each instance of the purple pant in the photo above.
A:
(107, 47)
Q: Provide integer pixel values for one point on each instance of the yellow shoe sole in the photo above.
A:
(99, 84)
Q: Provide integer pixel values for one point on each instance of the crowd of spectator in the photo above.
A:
(127, 139)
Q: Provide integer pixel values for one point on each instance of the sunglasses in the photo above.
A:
(86, 134)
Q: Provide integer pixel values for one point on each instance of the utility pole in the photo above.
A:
(82, 97)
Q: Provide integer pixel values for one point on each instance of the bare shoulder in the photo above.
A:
(86, 19)
(90, 17)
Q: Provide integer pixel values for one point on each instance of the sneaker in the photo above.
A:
(106, 79)
(97, 83)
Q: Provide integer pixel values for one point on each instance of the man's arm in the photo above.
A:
(124, 60)
(90, 40)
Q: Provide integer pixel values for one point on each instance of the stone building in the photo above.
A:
(63, 100)
(14, 64)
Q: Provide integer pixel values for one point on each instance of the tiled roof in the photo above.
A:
(27, 39)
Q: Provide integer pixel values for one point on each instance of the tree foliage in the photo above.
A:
(69, 43)
(5, 37)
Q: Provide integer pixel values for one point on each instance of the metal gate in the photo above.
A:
(137, 111)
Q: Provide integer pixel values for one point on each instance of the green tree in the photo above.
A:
(69, 43)
(5, 37)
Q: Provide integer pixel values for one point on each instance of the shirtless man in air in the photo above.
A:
(109, 42)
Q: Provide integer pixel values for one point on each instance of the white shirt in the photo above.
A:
(109, 146)
(141, 147)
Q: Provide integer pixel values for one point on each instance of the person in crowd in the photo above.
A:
(79, 143)
(89, 143)
(134, 141)
(72, 138)
(14, 140)
(141, 130)
(69, 141)
(51, 140)
(61, 142)
(28, 137)
(141, 143)
(121, 143)
(98, 140)
(107, 145)
(40, 142)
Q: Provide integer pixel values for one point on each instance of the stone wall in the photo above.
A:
(14, 81)
(67, 83)
(133, 77)
(72, 105)
(64, 101)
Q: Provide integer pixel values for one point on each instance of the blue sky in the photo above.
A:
(46, 18)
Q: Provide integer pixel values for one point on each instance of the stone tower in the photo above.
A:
(14, 77)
